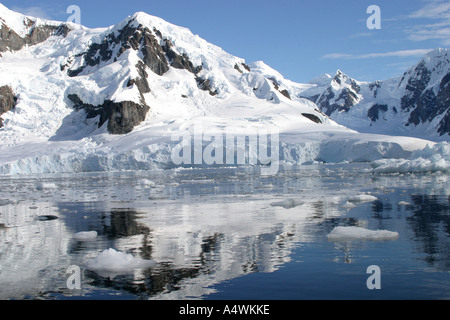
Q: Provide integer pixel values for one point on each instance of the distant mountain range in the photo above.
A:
(416, 103)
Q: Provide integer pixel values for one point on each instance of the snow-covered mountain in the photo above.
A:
(119, 74)
(416, 103)
(78, 99)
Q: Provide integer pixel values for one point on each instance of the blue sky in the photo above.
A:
(302, 39)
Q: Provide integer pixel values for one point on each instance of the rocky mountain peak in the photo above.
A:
(426, 92)
(338, 94)
(17, 30)
(419, 100)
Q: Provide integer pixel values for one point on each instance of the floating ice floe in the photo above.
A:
(110, 263)
(149, 183)
(45, 185)
(430, 159)
(361, 198)
(85, 235)
(287, 204)
(358, 233)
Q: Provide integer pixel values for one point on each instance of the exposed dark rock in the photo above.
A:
(425, 108)
(78, 104)
(347, 97)
(238, 68)
(122, 117)
(341, 77)
(205, 84)
(443, 102)
(374, 86)
(7, 101)
(285, 93)
(444, 124)
(332, 100)
(425, 104)
(157, 32)
(137, 38)
(275, 83)
(154, 55)
(141, 82)
(415, 86)
(177, 61)
(374, 111)
(323, 102)
(415, 98)
(277, 87)
(312, 117)
(313, 98)
(11, 41)
(157, 54)
(246, 67)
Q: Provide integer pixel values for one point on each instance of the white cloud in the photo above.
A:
(399, 53)
(433, 10)
(338, 56)
(432, 33)
(435, 15)
(361, 35)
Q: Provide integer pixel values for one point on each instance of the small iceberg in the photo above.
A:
(85, 235)
(45, 185)
(430, 159)
(358, 233)
(287, 204)
(361, 198)
(111, 263)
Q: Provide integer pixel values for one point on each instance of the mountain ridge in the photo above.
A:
(414, 103)
(149, 44)
(117, 98)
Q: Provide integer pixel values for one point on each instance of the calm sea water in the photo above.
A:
(226, 234)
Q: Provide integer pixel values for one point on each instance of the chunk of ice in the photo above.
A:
(287, 204)
(85, 235)
(110, 263)
(362, 198)
(45, 185)
(357, 233)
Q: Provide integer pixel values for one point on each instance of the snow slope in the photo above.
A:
(44, 133)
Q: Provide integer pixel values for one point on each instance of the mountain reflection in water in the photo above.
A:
(208, 230)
